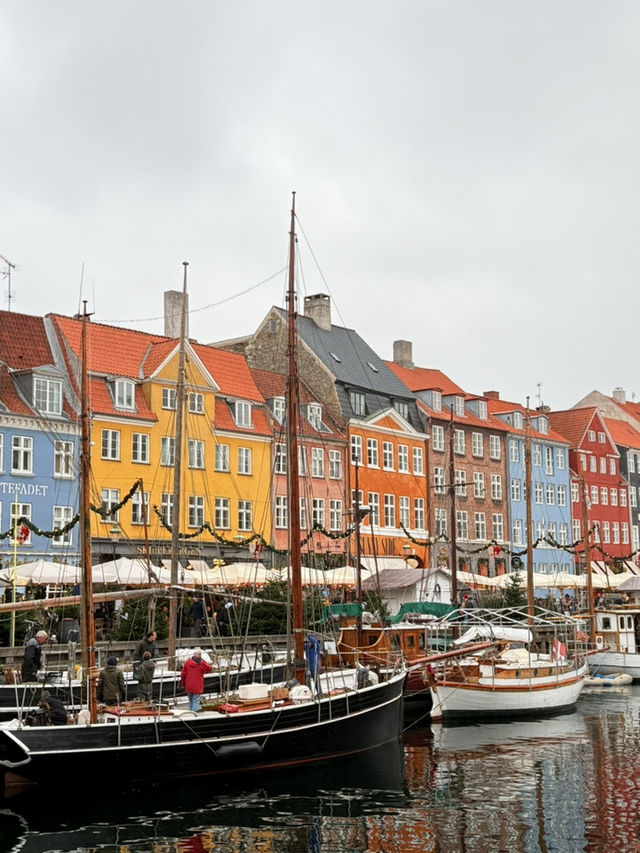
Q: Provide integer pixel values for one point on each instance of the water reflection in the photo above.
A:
(565, 784)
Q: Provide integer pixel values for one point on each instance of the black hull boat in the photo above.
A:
(179, 744)
(18, 700)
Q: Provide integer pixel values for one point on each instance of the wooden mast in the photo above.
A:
(357, 511)
(587, 558)
(454, 529)
(293, 408)
(177, 477)
(87, 621)
(531, 603)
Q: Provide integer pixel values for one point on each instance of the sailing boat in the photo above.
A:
(320, 715)
(537, 664)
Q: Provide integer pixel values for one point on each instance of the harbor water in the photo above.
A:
(567, 783)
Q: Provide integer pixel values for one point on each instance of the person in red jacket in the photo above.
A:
(192, 678)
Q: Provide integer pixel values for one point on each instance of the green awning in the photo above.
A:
(433, 608)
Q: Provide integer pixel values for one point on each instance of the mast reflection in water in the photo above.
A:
(568, 783)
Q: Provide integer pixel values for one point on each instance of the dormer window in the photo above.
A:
(436, 401)
(543, 425)
(373, 367)
(458, 406)
(243, 413)
(47, 395)
(483, 412)
(314, 415)
(277, 407)
(402, 408)
(518, 420)
(123, 394)
(357, 403)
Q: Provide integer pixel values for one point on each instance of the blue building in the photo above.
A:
(550, 484)
(39, 441)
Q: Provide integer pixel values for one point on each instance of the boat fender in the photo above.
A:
(238, 750)
(373, 679)
(228, 708)
(84, 717)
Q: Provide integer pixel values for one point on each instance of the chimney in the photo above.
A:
(619, 396)
(492, 395)
(173, 314)
(318, 309)
(403, 353)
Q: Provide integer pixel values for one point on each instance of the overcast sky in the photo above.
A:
(466, 173)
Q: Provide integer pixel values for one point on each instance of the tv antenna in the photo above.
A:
(539, 394)
(6, 273)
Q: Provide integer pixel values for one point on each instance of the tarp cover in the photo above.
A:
(495, 632)
(432, 608)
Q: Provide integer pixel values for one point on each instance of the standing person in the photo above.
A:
(192, 678)
(197, 614)
(145, 677)
(111, 687)
(33, 657)
(146, 644)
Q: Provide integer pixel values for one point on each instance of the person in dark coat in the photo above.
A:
(145, 677)
(55, 710)
(33, 657)
(192, 678)
(111, 687)
(147, 644)
(197, 614)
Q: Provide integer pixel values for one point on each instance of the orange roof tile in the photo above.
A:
(101, 401)
(231, 371)
(23, 341)
(573, 423)
(10, 396)
(424, 379)
(623, 433)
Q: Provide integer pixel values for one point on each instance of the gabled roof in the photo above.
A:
(425, 379)
(356, 364)
(110, 350)
(231, 371)
(623, 433)
(23, 341)
(573, 423)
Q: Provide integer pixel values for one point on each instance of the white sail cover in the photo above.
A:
(495, 632)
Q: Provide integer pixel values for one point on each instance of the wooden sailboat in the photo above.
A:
(537, 666)
(322, 715)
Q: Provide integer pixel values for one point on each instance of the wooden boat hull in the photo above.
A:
(179, 745)
(510, 698)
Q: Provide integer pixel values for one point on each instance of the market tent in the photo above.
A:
(244, 574)
(310, 577)
(630, 584)
(44, 572)
(129, 572)
(344, 576)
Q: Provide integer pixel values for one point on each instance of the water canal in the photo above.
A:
(570, 783)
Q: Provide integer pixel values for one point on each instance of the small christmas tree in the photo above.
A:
(514, 594)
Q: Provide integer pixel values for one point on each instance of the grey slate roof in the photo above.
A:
(354, 368)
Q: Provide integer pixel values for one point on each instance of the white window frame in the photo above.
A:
(245, 461)
(222, 513)
(196, 403)
(403, 458)
(168, 451)
(335, 464)
(242, 413)
(110, 447)
(62, 515)
(124, 394)
(141, 447)
(47, 395)
(223, 458)
(63, 453)
(418, 461)
(140, 508)
(373, 456)
(245, 515)
(437, 437)
(169, 399)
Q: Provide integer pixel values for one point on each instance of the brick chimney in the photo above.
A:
(403, 353)
(173, 313)
(492, 395)
(619, 395)
(318, 309)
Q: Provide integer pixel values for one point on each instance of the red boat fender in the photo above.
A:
(228, 708)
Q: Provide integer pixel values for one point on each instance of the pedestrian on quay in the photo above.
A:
(192, 678)
(111, 687)
(146, 644)
(33, 657)
(145, 677)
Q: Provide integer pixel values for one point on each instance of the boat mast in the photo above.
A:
(293, 408)
(357, 512)
(587, 558)
(86, 608)
(177, 477)
(454, 529)
(531, 603)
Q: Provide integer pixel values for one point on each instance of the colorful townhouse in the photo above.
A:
(596, 483)
(322, 452)
(225, 448)
(387, 465)
(467, 465)
(550, 487)
(39, 438)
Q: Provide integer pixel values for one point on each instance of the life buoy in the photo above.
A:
(599, 641)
